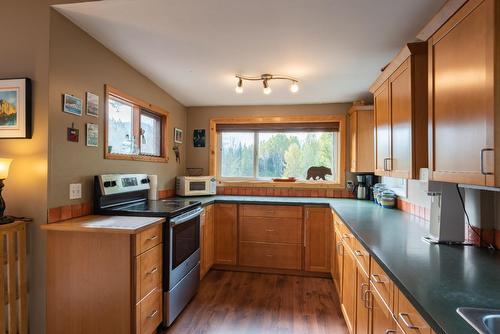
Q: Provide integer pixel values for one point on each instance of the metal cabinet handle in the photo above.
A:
(482, 160)
(363, 287)
(152, 271)
(376, 279)
(339, 245)
(358, 253)
(152, 315)
(366, 298)
(346, 236)
(390, 331)
(406, 321)
(269, 230)
(152, 238)
(385, 164)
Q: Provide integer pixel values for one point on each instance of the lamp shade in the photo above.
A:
(4, 168)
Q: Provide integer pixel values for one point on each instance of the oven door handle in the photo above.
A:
(185, 217)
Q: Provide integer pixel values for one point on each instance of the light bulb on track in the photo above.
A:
(294, 87)
(267, 89)
(239, 87)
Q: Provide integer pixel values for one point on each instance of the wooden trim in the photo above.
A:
(110, 91)
(341, 119)
(440, 18)
(224, 267)
(408, 50)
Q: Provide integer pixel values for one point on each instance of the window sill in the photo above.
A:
(271, 184)
(112, 156)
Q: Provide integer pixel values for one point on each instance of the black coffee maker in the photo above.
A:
(363, 187)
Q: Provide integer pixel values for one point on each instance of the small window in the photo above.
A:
(134, 129)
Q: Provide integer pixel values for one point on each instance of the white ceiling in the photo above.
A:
(193, 48)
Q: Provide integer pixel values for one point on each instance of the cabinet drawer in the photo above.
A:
(148, 271)
(284, 230)
(148, 239)
(149, 313)
(382, 283)
(409, 318)
(279, 256)
(283, 211)
(361, 256)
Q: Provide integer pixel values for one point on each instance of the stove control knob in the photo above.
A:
(113, 183)
(107, 184)
(144, 181)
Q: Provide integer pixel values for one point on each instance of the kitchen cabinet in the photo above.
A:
(336, 255)
(270, 236)
(464, 97)
(207, 240)
(317, 224)
(400, 119)
(339, 262)
(361, 139)
(409, 318)
(105, 280)
(381, 317)
(362, 301)
(349, 288)
(226, 234)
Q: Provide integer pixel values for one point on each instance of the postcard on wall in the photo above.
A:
(72, 105)
(199, 138)
(92, 135)
(15, 108)
(92, 104)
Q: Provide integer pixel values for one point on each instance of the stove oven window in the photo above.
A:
(186, 240)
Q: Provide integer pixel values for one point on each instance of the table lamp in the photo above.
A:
(4, 173)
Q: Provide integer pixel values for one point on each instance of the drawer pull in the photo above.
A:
(406, 321)
(154, 237)
(376, 279)
(152, 271)
(269, 255)
(269, 230)
(347, 236)
(358, 253)
(363, 287)
(366, 299)
(152, 315)
(390, 331)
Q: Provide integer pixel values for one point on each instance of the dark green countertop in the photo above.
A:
(435, 278)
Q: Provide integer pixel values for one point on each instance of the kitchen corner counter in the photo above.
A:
(437, 279)
(105, 224)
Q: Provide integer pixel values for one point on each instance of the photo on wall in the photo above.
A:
(92, 104)
(199, 138)
(15, 108)
(177, 136)
(72, 105)
(92, 135)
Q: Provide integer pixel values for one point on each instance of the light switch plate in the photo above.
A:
(75, 191)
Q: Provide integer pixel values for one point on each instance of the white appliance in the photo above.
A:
(195, 185)
(447, 214)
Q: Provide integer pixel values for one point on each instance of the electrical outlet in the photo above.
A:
(75, 191)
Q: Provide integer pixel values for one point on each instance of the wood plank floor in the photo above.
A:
(237, 302)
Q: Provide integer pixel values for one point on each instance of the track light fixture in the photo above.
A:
(265, 78)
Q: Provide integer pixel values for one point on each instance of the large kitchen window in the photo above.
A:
(134, 128)
(262, 152)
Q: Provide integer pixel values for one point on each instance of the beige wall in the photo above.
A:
(199, 118)
(78, 63)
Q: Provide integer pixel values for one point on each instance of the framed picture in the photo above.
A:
(199, 138)
(92, 135)
(177, 135)
(92, 104)
(73, 134)
(15, 108)
(72, 105)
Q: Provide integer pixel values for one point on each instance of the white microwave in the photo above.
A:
(195, 185)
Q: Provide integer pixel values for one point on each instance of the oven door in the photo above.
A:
(184, 245)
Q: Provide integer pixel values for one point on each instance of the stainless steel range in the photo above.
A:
(127, 194)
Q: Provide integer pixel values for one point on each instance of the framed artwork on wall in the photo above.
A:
(72, 105)
(92, 135)
(92, 104)
(15, 108)
(177, 136)
(199, 138)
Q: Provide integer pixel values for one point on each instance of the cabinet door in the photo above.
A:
(362, 306)
(202, 245)
(364, 134)
(226, 243)
(339, 255)
(209, 237)
(349, 290)
(353, 125)
(317, 239)
(461, 104)
(382, 321)
(382, 130)
(400, 87)
(408, 317)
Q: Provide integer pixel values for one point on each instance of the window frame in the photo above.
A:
(215, 156)
(138, 107)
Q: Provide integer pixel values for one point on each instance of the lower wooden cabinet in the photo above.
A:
(270, 255)
(226, 234)
(207, 240)
(381, 317)
(348, 305)
(362, 302)
(317, 225)
(409, 318)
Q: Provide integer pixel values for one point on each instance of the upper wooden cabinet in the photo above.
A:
(464, 96)
(361, 139)
(400, 120)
